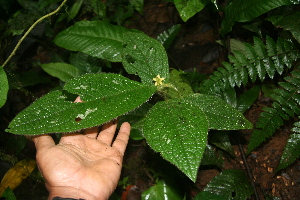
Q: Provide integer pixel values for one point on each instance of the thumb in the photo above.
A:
(43, 142)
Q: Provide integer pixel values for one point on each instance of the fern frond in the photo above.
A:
(257, 60)
(286, 104)
(292, 149)
(167, 37)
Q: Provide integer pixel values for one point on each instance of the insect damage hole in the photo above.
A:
(78, 119)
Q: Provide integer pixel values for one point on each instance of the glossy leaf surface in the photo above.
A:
(3, 87)
(162, 191)
(189, 8)
(289, 22)
(95, 38)
(63, 71)
(178, 130)
(180, 86)
(229, 182)
(221, 116)
(105, 96)
(243, 11)
(286, 104)
(292, 149)
(258, 60)
(145, 57)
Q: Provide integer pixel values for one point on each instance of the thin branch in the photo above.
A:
(256, 196)
(30, 29)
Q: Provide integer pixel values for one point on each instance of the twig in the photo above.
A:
(256, 196)
(30, 29)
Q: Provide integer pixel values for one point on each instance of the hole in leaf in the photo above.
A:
(78, 119)
(129, 59)
(69, 96)
(233, 194)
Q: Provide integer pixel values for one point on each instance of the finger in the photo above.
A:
(107, 133)
(78, 99)
(121, 140)
(91, 132)
(43, 142)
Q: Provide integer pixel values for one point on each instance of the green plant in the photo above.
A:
(179, 125)
(176, 123)
(261, 60)
(223, 185)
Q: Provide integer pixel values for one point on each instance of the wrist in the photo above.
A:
(70, 192)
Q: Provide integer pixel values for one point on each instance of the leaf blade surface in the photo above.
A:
(145, 57)
(95, 38)
(3, 87)
(106, 97)
(179, 132)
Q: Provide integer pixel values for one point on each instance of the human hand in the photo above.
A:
(86, 166)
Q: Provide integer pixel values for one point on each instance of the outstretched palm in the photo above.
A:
(88, 163)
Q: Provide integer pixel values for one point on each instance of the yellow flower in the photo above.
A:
(158, 80)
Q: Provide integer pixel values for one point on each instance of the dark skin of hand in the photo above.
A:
(84, 165)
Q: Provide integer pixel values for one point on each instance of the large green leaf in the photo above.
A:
(289, 22)
(87, 64)
(231, 184)
(244, 10)
(145, 57)
(178, 130)
(162, 191)
(3, 87)
(188, 8)
(180, 86)
(221, 116)
(105, 96)
(95, 38)
(63, 71)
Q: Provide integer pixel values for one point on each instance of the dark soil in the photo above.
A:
(194, 48)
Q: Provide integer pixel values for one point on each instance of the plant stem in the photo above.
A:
(30, 29)
(256, 196)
